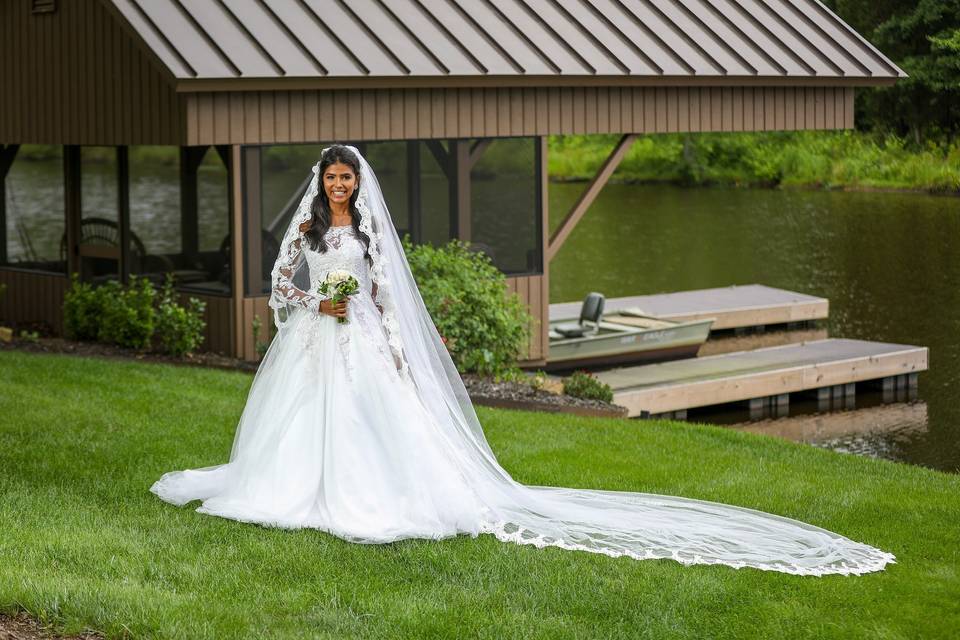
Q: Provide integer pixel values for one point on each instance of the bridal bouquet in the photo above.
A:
(339, 285)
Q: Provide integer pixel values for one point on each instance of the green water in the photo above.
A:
(888, 262)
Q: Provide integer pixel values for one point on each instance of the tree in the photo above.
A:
(923, 38)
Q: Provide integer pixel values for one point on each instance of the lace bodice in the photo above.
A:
(344, 252)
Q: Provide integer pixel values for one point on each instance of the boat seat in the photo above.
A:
(590, 311)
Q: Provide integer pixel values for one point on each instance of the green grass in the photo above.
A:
(83, 542)
(817, 159)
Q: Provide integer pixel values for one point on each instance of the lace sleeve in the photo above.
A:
(285, 283)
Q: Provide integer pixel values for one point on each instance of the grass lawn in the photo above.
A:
(84, 544)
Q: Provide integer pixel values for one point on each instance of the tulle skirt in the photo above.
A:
(333, 438)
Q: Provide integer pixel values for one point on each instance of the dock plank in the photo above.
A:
(759, 373)
(732, 307)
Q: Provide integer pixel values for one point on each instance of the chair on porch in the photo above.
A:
(105, 232)
(590, 311)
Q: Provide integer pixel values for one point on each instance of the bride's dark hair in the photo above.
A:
(320, 220)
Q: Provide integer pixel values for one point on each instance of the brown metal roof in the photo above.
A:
(205, 43)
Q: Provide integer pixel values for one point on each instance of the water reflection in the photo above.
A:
(880, 431)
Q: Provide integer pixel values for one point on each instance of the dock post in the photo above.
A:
(781, 403)
(823, 399)
(680, 414)
(888, 387)
(756, 408)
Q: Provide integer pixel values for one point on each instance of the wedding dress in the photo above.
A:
(364, 430)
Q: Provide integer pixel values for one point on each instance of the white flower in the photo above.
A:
(335, 277)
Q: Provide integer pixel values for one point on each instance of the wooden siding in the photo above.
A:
(533, 292)
(280, 117)
(251, 308)
(216, 335)
(33, 297)
(75, 76)
(38, 297)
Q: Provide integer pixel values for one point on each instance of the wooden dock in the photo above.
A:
(763, 377)
(731, 307)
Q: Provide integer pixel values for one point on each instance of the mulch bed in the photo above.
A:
(514, 395)
(24, 627)
(482, 391)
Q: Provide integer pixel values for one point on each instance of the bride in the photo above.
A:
(364, 429)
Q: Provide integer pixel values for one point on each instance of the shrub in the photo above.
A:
(179, 330)
(583, 384)
(467, 298)
(127, 316)
(81, 310)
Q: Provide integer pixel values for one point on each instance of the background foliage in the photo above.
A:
(467, 298)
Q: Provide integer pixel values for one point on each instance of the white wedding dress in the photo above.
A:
(351, 449)
(340, 434)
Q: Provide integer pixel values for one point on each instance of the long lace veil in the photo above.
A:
(614, 523)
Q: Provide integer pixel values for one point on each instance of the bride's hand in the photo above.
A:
(334, 309)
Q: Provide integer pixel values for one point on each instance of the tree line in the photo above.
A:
(923, 39)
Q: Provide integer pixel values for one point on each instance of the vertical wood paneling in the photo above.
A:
(462, 113)
(424, 114)
(353, 112)
(523, 109)
(848, 96)
(532, 291)
(438, 123)
(820, 121)
(33, 297)
(829, 116)
(297, 116)
(382, 99)
(543, 111)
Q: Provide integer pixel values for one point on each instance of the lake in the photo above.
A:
(888, 262)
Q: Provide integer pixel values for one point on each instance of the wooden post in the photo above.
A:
(123, 211)
(544, 207)
(7, 154)
(414, 198)
(190, 159)
(252, 222)
(72, 205)
(235, 179)
(458, 157)
(589, 194)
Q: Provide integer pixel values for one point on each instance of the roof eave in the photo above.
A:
(195, 85)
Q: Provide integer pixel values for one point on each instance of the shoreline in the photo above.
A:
(572, 179)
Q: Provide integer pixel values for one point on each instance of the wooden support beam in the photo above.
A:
(414, 196)
(440, 155)
(72, 205)
(458, 162)
(190, 159)
(123, 211)
(235, 180)
(7, 154)
(225, 155)
(589, 194)
(253, 223)
(477, 149)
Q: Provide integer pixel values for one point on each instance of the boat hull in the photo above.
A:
(619, 343)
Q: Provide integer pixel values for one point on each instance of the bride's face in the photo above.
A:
(339, 183)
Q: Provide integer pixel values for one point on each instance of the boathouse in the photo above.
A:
(452, 101)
